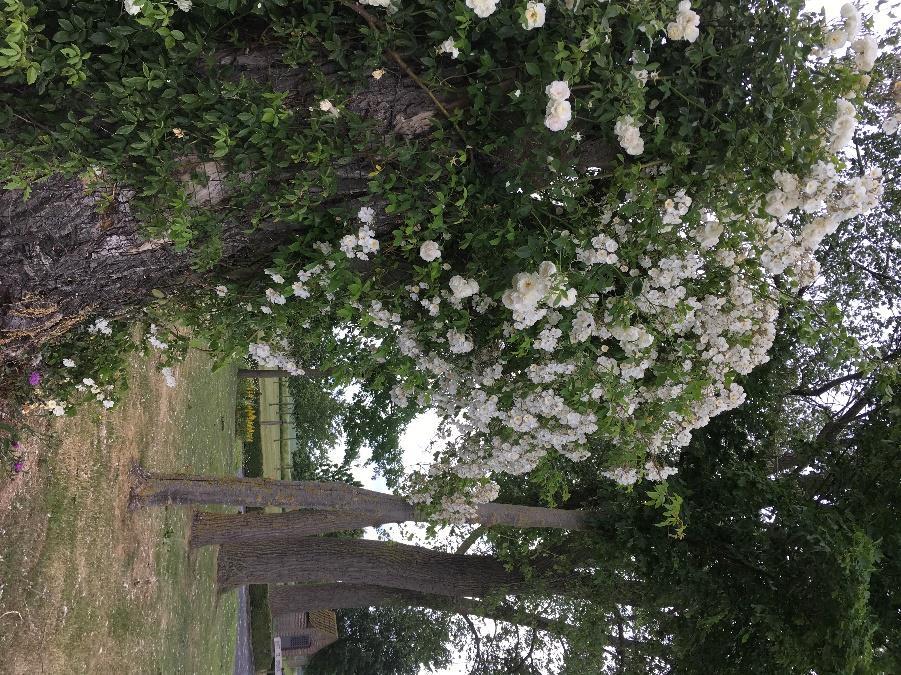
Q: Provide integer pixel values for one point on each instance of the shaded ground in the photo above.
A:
(86, 586)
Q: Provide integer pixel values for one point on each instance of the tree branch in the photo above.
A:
(471, 539)
(832, 428)
(822, 389)
(816, 391)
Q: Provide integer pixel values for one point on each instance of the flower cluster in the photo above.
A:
(685, 27)
(674, 209)
(865, 48)
(838, 37)
(558, 112)
(100, 326)
(360, 245)
(890, 124)
(100, 393)
(168, 376)
(628, 476)
(627, 134)
(508, 420)
(844, 125)
(531, 290)
(154, 340)
(819, 193)
(266, 356)
(58, 408)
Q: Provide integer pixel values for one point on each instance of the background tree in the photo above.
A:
(385, 640)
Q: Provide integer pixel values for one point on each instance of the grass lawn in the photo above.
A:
(87, 586)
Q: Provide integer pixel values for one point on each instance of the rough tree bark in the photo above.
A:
(220, 528)
(284, 599)
(367, 506)
(63, 258)
(319, 560)
(182, 489)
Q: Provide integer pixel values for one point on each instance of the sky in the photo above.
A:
(415, 441)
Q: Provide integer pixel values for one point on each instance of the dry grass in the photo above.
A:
(87, 586)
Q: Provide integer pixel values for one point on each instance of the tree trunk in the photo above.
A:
(374, 508)
(220, 528)
(319, 560)
(66, 255)
(265, 374)
(285, 599)
(62, 261)
(65, 258)
(181, 489)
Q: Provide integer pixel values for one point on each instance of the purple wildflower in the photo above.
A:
(35, 378)
(18, 466)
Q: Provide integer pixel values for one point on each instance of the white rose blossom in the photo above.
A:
(628, 135)
(482, 8)
(534, 15)
(366, 215)
(558, 112)
(448, 47)
(463, 288)
(865, 50)
(429, 251)
(328, 107)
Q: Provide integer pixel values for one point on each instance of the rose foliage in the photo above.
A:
(574, 248)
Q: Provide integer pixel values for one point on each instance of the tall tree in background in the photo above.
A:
(385, 640)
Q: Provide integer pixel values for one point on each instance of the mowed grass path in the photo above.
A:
(87, 586)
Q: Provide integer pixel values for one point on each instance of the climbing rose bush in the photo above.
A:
(574, 255)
